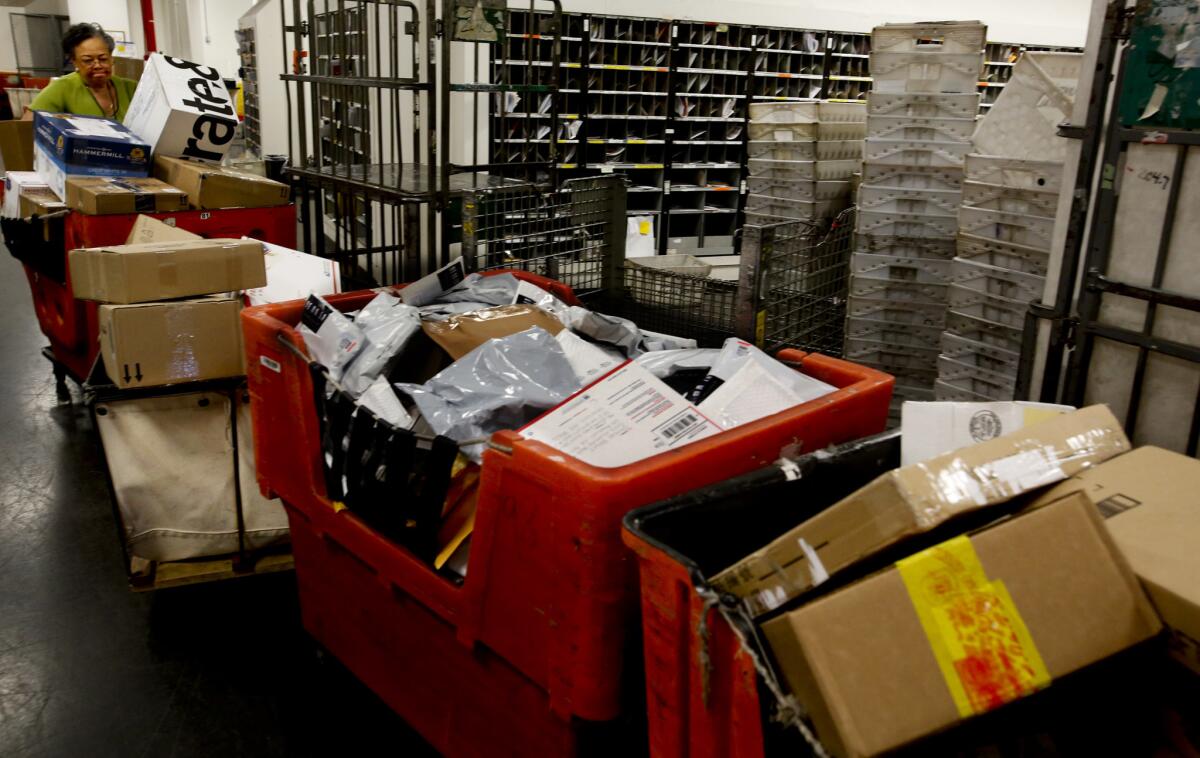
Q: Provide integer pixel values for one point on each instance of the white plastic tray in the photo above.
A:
(928, 202)
(957, 105)
(925, 72)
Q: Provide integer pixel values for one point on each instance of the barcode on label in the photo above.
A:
(676, 428)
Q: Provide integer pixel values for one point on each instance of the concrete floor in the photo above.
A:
(88, 668)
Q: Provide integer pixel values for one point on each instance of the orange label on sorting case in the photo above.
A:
(980, 641)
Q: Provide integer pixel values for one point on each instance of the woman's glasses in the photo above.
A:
(90, 62)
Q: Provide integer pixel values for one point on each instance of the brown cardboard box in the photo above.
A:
(40, 201)
(149, 229)
(1149, 500)
(16, 145)
(459, 335)
(209, 185)
(917, 498)
(151, 344)
(102, 195)
(865, 661)
(166, 270)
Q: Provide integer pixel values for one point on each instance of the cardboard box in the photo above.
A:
(931, 429)
(151, 344)
(56, 174)
(459, 335)
(209, 186)
(915, 499)
(149, 229)
(16, 145)
(183, 109)
(1148, 500)
(40, 201)
(96, 195)
(166, 270)
(67, 144)
(16, 184)
(961, 628)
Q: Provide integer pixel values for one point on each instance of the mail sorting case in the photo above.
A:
(550, 591)
(704, 696)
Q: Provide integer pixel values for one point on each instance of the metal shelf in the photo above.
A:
(357, 81)
(629, 42)
(710, 71)
(543, 64)
(696, 46)
(633, 166)
(626, 92)
(777, 75)
(617, 67)
(621, 118)
(788, 52)
(547, 37)
(402, 181)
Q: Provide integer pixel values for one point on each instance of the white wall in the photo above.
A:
(8, 56)
(1044, 22)
(171, 28)
(211, 26)
(113, 15)
(133, 9)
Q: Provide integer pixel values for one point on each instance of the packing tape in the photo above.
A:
(816, 569)
(980, 641)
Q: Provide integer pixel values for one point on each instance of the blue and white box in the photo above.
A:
(69, 145)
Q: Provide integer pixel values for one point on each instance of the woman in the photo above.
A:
(92, 90)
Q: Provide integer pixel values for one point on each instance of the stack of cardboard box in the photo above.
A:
(956, 584)
(170, 307)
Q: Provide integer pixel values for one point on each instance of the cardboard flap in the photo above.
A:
(149, 229)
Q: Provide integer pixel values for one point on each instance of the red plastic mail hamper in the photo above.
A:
(550, 593)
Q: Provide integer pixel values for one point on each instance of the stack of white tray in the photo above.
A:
(802, 155)
(921, 115)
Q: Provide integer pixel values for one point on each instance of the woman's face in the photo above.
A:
(94, 61)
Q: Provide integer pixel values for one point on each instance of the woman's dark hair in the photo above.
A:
(79, 33)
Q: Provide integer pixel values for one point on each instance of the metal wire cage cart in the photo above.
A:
(389, 116)
(791, 291)
(795, 278)
(575, 235)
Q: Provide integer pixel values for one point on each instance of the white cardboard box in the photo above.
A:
(930, 429)
(51, 173)
(16, 182)
(183, 110)
(293, 275)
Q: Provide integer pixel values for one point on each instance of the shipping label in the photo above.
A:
(627, 416)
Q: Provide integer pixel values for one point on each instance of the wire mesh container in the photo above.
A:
(693, 307)
(575, 235)
(800, 283)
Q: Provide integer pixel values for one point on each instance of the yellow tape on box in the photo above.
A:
(980, 641)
